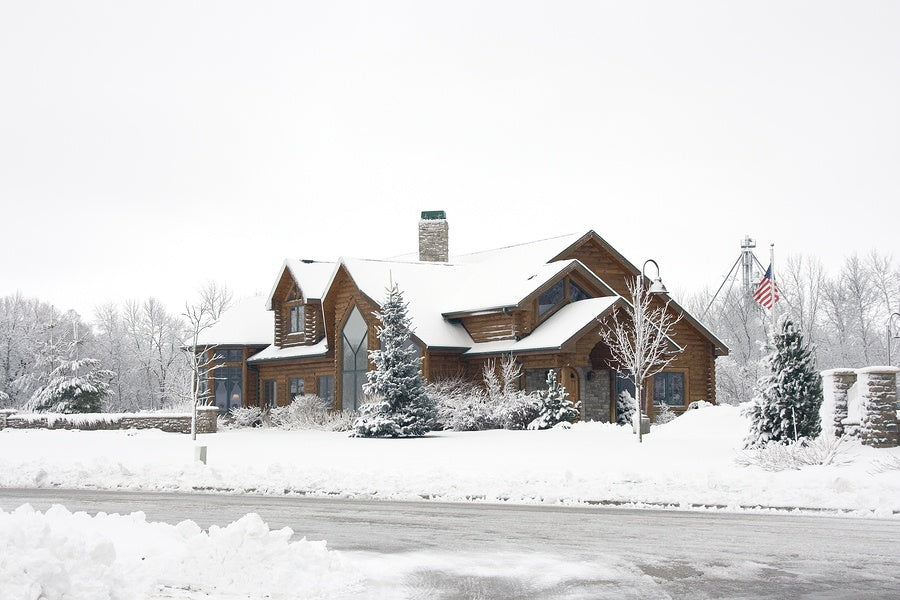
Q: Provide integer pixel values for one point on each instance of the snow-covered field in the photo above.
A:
(688, 462)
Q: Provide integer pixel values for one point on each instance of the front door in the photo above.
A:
(568, 378)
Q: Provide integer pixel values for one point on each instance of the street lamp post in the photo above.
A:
(656, 288)
(890, 323)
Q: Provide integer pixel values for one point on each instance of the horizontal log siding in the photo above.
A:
(283, 371)
(490, 327)
(603, 264)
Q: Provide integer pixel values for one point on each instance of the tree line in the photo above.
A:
(843, 316)
(138, 346)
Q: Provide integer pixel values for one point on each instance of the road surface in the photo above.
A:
(441, 550)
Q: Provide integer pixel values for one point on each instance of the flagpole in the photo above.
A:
(774, 285)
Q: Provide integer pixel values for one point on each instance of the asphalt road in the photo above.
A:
(441, 550)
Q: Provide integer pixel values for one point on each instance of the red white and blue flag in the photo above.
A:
(767, 292)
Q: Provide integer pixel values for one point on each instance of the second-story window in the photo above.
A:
(296, 319)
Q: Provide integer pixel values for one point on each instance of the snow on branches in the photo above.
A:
(399, 406)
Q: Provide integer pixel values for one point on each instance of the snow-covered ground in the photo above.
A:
(688, 462)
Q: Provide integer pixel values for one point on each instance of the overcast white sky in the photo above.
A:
(147, 147)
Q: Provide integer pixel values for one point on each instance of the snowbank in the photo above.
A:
(61, 555)
(688, 462)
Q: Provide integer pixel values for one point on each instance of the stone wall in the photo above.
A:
(595, 396)
(870, 415)
(169, 422)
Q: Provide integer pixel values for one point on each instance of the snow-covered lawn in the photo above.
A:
(688, 462)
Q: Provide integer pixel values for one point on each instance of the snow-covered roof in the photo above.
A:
(311, 275)
(275, 353)
(559, 328)
(486, 287)
(425, 287)
(247, 323)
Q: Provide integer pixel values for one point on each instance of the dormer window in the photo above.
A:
(562, 290)
(297, 320)
(551, 297)
(576, 293)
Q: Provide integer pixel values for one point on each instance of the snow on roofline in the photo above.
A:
(275, 353)
(247, 323)
(313, 277)
(567, 323)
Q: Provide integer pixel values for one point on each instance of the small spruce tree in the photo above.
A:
(74, 386)
(555, 405)
(625, 407)
(790, 392)
(399, 405)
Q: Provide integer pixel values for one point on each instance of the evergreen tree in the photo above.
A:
(625, 407)
(555, 405)
(790, 393)
(74, 386)
(400, 406)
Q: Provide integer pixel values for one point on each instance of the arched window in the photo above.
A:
(355, 342)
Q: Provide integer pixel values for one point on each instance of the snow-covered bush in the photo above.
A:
(790, 393)
(517, 411)
(625, 407)
(465, 406)
(663, 414)
(307, 411)
(242, 417)
(884, 465)
(461, 405)
(554, 405)
(794, 455)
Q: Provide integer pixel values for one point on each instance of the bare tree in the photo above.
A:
(638, 336)
(201, 359)
(216, 297)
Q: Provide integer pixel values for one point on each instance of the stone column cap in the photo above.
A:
(885, 369)
(839, 371)
(209, 408)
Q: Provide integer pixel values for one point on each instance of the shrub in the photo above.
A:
(250, 416)
(554, 406)
(781, 456)
(664, 414)
(304, 412)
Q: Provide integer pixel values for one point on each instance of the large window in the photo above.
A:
(227, 384)
(326, 388)
(297, 319)
(576, 293)
(270, 393)
(296, 387)
(227, 354)
(355, 342)
(668, 388)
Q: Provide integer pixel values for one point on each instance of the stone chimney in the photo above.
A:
(434, 236)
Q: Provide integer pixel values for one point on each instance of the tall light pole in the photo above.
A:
(890, 324)
(656, 288)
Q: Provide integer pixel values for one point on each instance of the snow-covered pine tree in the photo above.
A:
(74, 386)
(790, 392)
(625, 407)
(400, 406)
(555, 405)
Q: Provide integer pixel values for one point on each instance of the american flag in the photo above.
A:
(767, 292)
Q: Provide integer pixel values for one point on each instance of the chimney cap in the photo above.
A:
(432, 215)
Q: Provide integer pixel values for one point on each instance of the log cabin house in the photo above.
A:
(543, 302)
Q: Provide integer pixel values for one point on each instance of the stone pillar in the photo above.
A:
(835, 384)
(595, 395)
(878, 406)
(207, 419)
